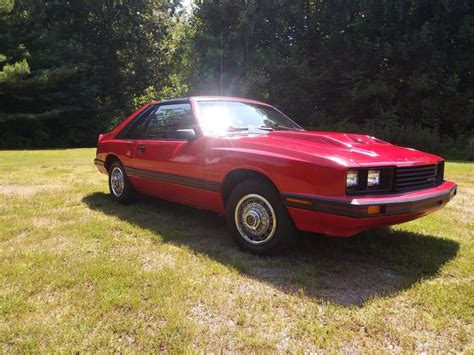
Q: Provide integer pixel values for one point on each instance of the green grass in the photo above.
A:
(81, 273)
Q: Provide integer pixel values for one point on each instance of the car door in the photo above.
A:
(164, 164)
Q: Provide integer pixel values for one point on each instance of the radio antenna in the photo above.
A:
(221, 63)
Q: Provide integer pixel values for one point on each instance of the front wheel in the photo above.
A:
(257, 218)
(121, 189)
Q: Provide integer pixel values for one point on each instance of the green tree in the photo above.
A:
(72, 68)
(389, 63)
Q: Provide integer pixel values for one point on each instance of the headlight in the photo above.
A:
(360, 181)
(373, 178)
(352, 179)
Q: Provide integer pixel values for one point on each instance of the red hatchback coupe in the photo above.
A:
(269, 176)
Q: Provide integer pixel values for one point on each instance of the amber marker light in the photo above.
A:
(374, 209)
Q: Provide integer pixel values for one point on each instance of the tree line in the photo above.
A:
(401, 70)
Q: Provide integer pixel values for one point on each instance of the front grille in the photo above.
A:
(417, 177)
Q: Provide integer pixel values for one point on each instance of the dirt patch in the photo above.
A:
(154, 261)
(28, 190)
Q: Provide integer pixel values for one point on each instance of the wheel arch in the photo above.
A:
(109, 160)
(236, 176)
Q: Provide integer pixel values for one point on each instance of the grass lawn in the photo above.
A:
(81, 273)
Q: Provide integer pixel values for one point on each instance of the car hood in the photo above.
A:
(345, 149)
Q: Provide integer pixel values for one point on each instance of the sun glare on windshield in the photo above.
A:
(216, 118)
(224, 117)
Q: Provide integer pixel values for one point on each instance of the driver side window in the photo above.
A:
(167, 119)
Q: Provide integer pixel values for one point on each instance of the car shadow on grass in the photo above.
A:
(345, 271)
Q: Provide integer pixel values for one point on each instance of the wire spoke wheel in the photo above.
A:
(117, 181)
(255, 219)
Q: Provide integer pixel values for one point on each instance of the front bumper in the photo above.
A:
(347, 215)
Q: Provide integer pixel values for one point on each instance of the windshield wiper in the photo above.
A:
(237, 129)
(275, 127)
(272, 127)
(266, 128)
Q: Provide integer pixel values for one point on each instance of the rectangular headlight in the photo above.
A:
(373, 178)
(352, 179)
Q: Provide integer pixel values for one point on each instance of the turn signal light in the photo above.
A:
(374, 209)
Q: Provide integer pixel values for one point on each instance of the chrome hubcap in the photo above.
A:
(117, 182)
(255, 219)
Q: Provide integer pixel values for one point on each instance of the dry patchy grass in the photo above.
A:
(81, 273)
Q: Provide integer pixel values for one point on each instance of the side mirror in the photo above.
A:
(187, 134)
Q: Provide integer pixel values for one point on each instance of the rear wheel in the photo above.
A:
(120, 187)
(257, 218)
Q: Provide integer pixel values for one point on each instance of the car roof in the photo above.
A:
(213, 98)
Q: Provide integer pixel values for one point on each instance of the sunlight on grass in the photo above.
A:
(81, 273)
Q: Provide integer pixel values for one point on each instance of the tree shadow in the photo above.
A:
(345, 271)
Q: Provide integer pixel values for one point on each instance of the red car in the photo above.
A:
(270, 177)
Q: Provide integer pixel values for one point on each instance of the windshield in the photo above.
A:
(222, 117)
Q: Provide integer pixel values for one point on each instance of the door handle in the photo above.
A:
(141, 148)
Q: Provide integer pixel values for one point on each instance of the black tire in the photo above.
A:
(260, 194)
(126, 194)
